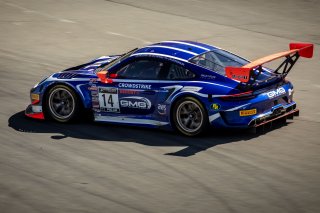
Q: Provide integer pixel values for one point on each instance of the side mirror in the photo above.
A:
(106, 77)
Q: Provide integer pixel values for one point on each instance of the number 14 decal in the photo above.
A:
(109, 99)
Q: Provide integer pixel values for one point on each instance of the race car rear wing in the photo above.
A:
(249, 73)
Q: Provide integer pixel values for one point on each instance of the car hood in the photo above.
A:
(91, 66)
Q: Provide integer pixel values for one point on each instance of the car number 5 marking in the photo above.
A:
(109, 99)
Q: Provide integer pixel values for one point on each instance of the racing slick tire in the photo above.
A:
(62, 104)
(190, 117)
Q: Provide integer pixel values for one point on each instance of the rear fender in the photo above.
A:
(179, 96)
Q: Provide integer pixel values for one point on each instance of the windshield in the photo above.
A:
(118, 60)
(217, 60)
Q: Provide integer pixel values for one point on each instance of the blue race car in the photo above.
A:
(180, 85)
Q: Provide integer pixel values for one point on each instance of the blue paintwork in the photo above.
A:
(207, 87)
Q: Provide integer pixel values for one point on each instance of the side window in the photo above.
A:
(177, 72)
(141, 69)
(210, 61)
(217, 60)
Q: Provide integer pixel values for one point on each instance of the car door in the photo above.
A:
(132, 95)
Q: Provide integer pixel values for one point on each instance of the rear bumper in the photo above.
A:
(34, 111)
(263, 120)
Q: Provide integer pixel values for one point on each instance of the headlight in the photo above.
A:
(35, 98)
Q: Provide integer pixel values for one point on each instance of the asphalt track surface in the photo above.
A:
(87, 167)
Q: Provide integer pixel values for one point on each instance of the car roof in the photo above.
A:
(175, 49)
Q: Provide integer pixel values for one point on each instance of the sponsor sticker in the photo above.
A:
(204, 76)
(276, 93)
(215, 106)
(135, 102)
(93, 88)
(162, 109)
(240, 77)
(248, 112)
(134, 86)
(95, 104)
(111, 90)
(128, 92)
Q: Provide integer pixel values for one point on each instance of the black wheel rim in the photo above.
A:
(61, 103)
(189, 116)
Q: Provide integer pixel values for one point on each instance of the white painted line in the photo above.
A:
(66, 21)
(26, 10)
(130, 37)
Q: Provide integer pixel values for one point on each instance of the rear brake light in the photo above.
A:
(238, 96)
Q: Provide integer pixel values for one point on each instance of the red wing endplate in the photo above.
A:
(246, 73)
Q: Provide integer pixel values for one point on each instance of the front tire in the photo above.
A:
(190, 117)
(62, 104)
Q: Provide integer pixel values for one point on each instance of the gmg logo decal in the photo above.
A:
(275, 93)
(135, 102)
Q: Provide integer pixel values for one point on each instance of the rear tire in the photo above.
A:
(62, 104)
(190, 117)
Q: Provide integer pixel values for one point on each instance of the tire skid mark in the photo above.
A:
(14, 194)
(174, 169)
(229, 160)
(46, 179)
(241, 168)
(57, 158)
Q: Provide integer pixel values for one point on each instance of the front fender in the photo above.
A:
(80, 87)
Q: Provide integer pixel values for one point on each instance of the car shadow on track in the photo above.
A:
(120, 133)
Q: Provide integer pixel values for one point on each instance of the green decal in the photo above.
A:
(215, 106)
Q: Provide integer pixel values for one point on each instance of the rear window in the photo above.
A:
(217, 60)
